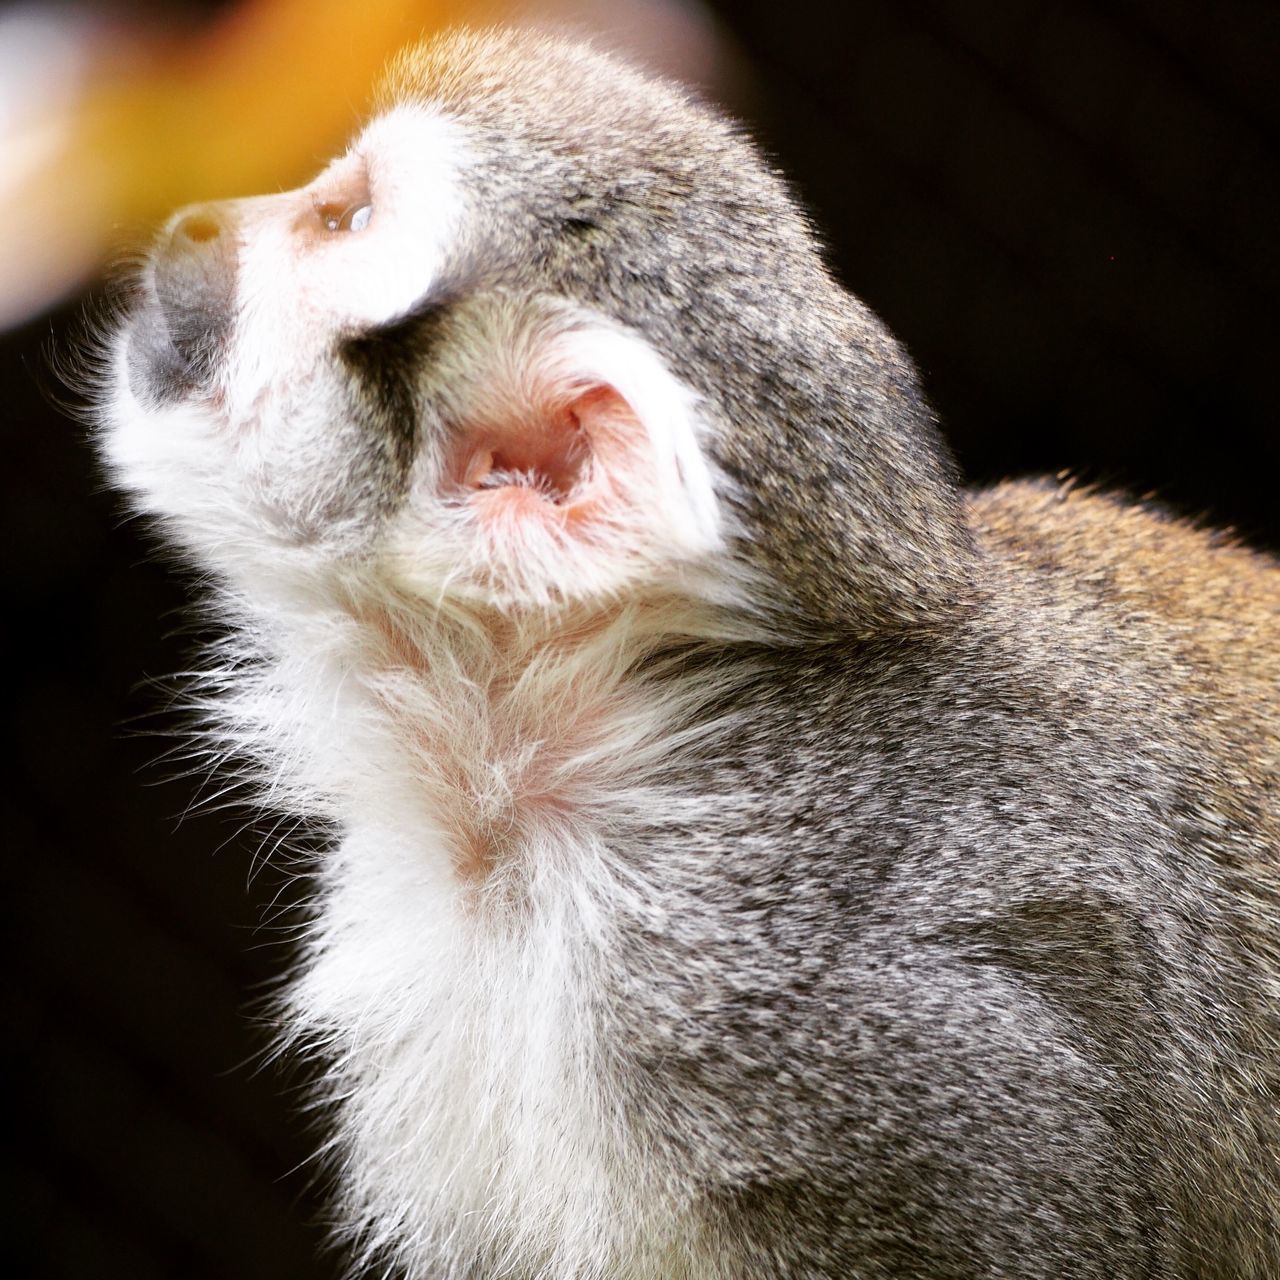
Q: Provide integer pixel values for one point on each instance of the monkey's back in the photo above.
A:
(1197, 613)
(1177, 629)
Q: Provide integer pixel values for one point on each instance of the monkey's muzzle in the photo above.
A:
(180, 331)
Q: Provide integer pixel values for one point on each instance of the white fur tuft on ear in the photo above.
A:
(666, 410)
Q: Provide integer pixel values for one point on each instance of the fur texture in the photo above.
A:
(753, 857)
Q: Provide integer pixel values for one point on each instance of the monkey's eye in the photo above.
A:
(354, 217)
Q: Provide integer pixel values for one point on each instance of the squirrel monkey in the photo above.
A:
(754, 857)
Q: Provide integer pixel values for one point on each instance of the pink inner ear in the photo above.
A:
(560, 458)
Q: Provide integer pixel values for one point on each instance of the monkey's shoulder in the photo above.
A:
(1132, 558)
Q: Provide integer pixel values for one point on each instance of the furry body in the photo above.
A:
(753, 858)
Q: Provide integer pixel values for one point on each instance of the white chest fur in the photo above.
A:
(484, 792)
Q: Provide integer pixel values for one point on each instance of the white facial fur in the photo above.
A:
(303, 283)
(261, 457)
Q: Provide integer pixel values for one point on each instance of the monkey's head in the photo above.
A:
(549, 332)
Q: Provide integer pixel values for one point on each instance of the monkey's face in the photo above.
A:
(548, 333)
(415, 367)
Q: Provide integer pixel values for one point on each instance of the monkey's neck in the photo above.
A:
(487, 741)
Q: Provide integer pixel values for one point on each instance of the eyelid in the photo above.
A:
(339, 199)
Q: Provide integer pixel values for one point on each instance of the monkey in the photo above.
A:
(749, 853)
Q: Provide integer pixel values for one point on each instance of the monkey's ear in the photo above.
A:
(581, 463)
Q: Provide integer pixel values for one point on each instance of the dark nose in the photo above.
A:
(200, 226)
(193, 269)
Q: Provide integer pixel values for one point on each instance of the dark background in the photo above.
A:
(1067, 210)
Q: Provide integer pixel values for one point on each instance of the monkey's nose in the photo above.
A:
(195, 262)
(197, 227)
